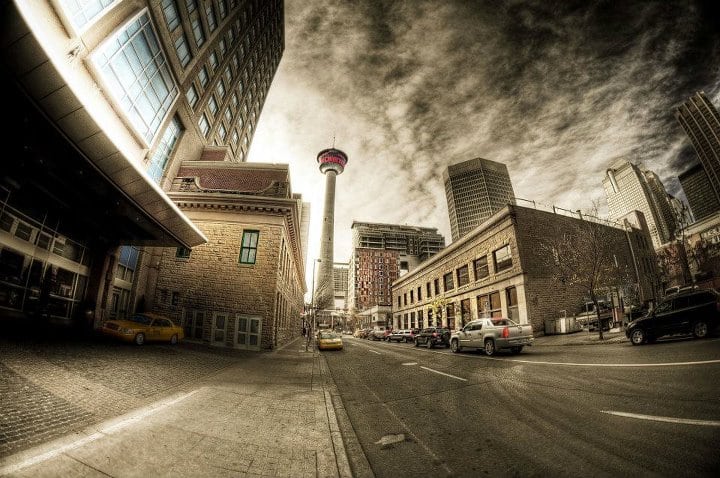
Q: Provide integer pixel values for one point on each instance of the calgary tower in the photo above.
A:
(332, 162)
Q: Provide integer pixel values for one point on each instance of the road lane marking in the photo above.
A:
(443, 373)
(375, 352)
(683, 421)
(112, 427)
(575, 364)
(410, 363)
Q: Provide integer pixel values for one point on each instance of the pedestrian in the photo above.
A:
(304, 331)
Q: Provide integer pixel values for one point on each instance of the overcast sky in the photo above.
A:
(558, 91)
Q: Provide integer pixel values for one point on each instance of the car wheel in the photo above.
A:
(700, 329)
(139, 339)
(174, 339)
(489, 348)
(516, 350)
(455, 346)
(638, 336)
(417, 344)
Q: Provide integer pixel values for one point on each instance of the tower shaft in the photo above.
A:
(324, 288)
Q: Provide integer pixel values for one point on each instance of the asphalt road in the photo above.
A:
(607, 410)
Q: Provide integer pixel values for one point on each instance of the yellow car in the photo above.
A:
(145, 327)
(329, 341)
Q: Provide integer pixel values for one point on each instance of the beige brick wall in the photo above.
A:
(213, 280)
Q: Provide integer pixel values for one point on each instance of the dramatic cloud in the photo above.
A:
(556, 90)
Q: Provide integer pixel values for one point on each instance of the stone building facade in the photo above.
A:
(498, 269)
(244, 288)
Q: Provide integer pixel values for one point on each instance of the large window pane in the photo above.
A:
(164, 150)
(136, 69)
(82, 12)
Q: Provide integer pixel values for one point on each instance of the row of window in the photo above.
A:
(502, 260)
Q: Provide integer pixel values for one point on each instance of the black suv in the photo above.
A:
(433, 336)
(696, 311)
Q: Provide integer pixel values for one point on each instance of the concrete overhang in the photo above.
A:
(62, 158)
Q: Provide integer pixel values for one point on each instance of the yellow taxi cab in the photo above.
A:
(328, 340)
(144, 327)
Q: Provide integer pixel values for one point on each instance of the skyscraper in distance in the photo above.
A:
(475, 190)
(699, 192)
(701, 121)
(628, 188)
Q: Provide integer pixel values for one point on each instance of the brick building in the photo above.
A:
(498, 270)
(244, 288)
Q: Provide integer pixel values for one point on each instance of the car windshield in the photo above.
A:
(140, 319)
(328, 335)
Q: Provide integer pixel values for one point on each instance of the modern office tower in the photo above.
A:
(340, 284)
(701, 122)
(332, 162)
(699, 193)
(628, 188)
(475, 190)
(382, 253)
(109, 97)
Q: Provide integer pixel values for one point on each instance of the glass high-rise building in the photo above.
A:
(108, 98)
(628, 188)
(701, 121)
(699, 192)
(475, 190)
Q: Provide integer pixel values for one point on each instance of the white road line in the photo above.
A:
(683, 421)
(575, 364)
(113, 427)
(375, 352)
(410, 363)
(443, 373)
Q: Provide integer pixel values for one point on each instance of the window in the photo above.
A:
(512, 304)
(228, 75)
(191, 5)
(235, 137)
(480, 268)
(448, 281)
(203, 77)
(412, 296)
(210, 13)
(198, 31)
(464, 312)
(222, 8)
(213, 59)
(171, 14)
(136, 72)
(182, 253)
(212, 105)
(436, 283)
(222, 131)
(228, 116)
(463, 276)
(428, 290)
(162, 154)
(223, 47)
(191, 96)
(183, 52)
(127, 263)
(235, 101)
(399, 301)
(248, 250)
(82, 12)
(405, 298)
(489, 305)
(503, 258)
(419, 293)
(204, 125)
(220, 88)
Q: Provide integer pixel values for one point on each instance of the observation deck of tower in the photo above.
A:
(332, 162)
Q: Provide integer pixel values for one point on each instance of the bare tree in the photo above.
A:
(583, 257)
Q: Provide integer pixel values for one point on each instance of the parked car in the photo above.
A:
(145, 327)
(432, 336)
(403, 335)
(694, 311)
(491, 335)
(329, 340)
(379, 333)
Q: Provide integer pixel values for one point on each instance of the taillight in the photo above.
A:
(506, 333)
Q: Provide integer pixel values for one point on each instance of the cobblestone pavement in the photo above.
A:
(49, 388)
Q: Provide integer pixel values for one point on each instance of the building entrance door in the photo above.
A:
(219, 328)
(249, 331)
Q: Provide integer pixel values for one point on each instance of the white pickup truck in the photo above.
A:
(491, 335)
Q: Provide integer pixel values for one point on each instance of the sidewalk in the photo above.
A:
(583, 337)
(265, 414)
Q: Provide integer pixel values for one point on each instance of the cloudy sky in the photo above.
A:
(558, 91)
